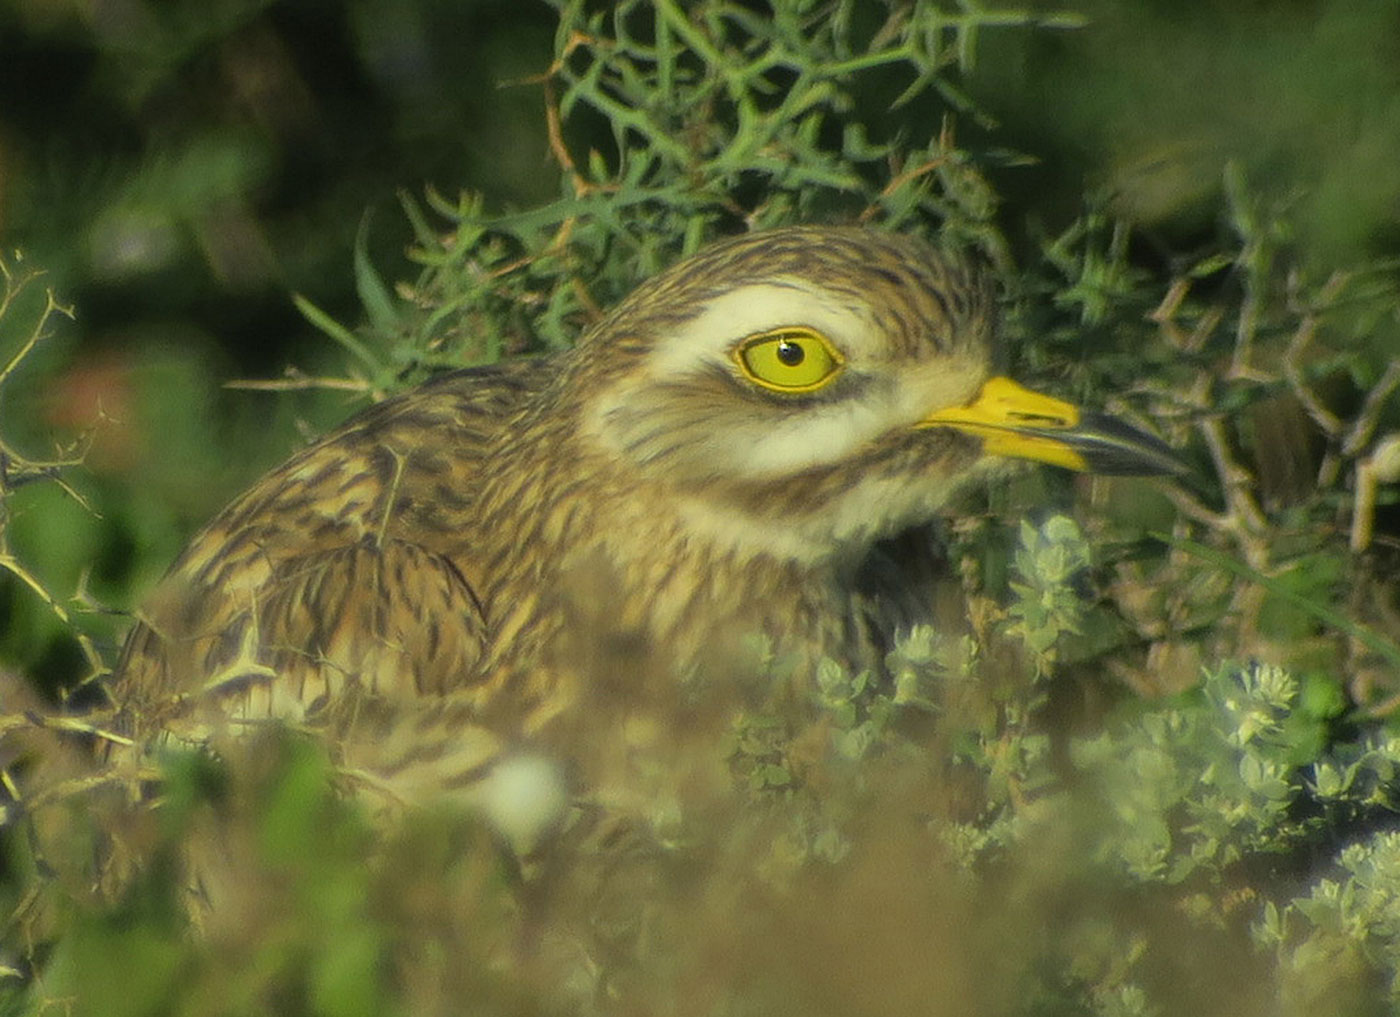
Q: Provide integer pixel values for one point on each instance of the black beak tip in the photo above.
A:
(1112, 447)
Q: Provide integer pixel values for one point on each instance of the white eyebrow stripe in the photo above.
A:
(761, 307)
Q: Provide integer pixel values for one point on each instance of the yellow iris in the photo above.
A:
(789, 360)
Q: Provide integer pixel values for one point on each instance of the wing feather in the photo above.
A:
(328, 636)
(339, 583)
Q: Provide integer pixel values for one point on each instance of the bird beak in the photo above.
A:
(1013, 421)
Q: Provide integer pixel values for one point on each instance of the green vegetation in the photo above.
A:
(1150, 769)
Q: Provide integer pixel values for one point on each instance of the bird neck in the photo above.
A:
(588, 554)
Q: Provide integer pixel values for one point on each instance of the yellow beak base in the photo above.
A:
(1015, 422)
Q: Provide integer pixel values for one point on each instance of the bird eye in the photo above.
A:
(788, 360)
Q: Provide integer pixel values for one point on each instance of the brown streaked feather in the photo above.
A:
(330, 632)
(344, 569)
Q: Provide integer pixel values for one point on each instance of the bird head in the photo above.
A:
(805, 391)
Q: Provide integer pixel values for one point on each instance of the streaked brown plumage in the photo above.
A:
(649, 495)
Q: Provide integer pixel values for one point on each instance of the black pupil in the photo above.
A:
(790, 353)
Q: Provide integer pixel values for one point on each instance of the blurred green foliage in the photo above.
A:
(179, 171)
(1149, 106)
(1149, 768)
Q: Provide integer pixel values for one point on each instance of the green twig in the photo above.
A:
(1368, 638)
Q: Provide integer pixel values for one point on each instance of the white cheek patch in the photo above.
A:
(794, 443)
(821, 434)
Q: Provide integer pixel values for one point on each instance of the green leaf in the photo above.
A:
(374, 294)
